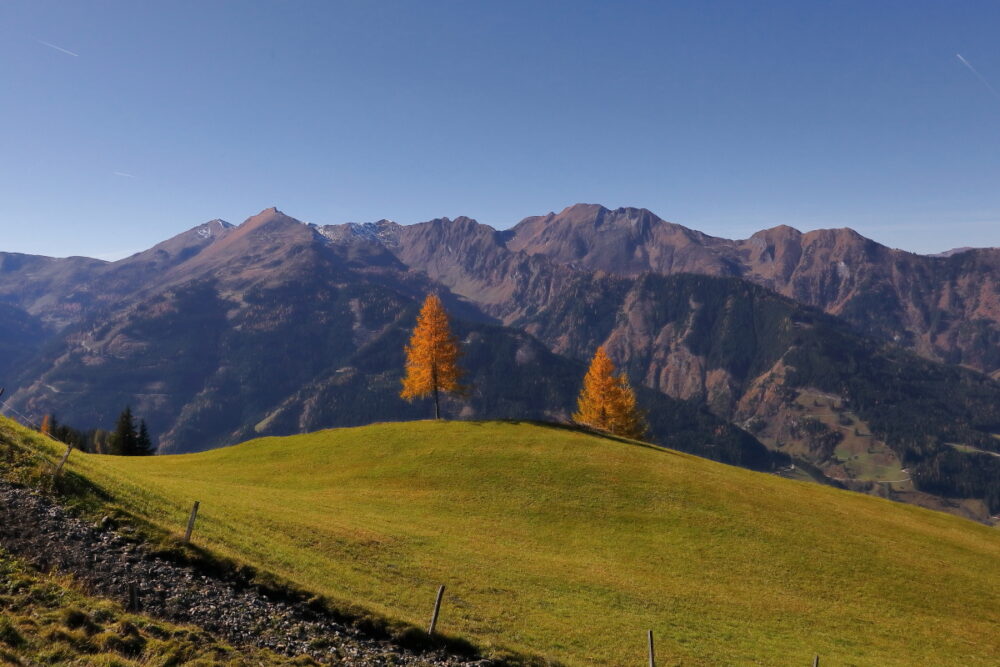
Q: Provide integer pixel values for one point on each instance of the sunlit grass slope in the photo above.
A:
(570, 546)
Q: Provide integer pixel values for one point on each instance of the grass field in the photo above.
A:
(570, 546)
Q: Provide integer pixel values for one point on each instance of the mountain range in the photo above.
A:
(823, 355)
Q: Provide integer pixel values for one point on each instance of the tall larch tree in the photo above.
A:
(432, 357)
(607, 402)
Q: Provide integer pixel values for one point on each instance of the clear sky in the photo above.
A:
(124, 123)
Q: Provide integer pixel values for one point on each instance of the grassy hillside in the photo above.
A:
(568, 545)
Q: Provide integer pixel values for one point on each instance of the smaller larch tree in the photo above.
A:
(47, 427)
(432, 357)
(607, 402)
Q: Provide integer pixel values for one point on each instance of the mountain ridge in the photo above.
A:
(279, 326)
(273, 328)
(944, 308)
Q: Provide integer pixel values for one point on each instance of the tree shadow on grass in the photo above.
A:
(577, 428)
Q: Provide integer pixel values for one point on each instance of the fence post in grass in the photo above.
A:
(62, 461)
(815, 661)
(133, 597)
(652, 655)
(190, 526)
(437, 609)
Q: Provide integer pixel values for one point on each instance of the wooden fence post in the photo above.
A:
(816, 661)
(133, 597)
(190, 526)
(62, 461)
(437, 609)
(652, 655)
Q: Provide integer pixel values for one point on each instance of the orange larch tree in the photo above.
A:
(628, 420)
(432, 357)
(46, 427)
(607, 402)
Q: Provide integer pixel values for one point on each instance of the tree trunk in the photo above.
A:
(434, 382)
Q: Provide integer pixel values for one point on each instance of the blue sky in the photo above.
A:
(723, 116)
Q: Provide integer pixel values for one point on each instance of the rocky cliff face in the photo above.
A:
(944, 308)
(872, 417)
(749, 354)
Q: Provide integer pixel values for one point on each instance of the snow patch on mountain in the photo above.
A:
(383, 232)
(212, 228)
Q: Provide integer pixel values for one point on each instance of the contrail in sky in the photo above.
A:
(122, 173)
(59, 48)
(978, 75)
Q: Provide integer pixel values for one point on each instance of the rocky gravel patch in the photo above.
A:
(36, 529)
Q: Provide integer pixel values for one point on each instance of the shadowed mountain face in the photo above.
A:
(944, 308)
(21, 337)
(275, 327)
(60, 291)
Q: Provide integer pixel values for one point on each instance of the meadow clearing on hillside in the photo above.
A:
(567, 545)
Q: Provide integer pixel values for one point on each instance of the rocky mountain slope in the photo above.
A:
(945, 308)
(751, 356)
(274, 327)
(277, 326)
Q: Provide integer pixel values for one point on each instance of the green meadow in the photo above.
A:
(569, 546)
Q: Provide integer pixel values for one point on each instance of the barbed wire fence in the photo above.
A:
(24, 419)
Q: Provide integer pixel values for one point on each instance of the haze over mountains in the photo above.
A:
(276, 326)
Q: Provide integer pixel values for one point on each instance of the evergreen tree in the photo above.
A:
(432, 356)
(125, 438)
(143, 444)
(607, 402)
(69, 435)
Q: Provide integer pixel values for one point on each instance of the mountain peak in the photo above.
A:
(267, 215)
(211, 229)
(580, 210)
(270, 218)
(777, 231)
